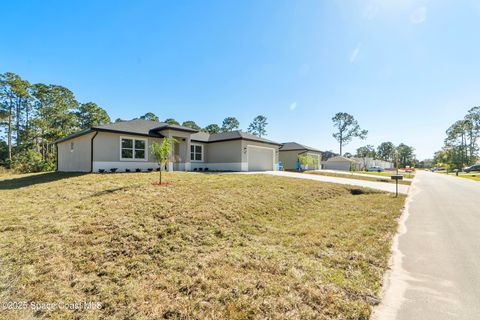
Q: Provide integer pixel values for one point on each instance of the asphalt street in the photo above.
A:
(436, 261)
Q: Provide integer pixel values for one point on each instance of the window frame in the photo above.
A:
(194, 152)
(133, 158)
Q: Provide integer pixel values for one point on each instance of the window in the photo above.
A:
(72, 146)
(133, 149)
(196, 152)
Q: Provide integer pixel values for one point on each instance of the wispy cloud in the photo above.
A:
(371, 11)
(419, 15)
(293, 106)
(354, 54)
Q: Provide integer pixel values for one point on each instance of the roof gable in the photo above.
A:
(230, 135)
(287, 146)
(136, 126)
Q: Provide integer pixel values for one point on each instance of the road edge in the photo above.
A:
(394, 283)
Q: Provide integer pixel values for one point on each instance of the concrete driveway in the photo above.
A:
(436, 261)
(389, 187)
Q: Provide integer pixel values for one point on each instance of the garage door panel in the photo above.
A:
(260, 159)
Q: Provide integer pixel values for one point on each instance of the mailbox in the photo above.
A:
(397, 177)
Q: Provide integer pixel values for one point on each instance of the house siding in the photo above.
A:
(78, 160)
(106, 147)
(289, 159)
(337, 165)
(224, 152)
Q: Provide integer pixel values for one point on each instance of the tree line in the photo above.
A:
(347, 128)
(460, 147)
(257, 127)
(34, 115)
(402, 155)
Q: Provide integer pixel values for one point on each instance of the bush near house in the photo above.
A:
(31, 161)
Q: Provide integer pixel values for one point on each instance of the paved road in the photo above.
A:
(436, 262)
(389, 187)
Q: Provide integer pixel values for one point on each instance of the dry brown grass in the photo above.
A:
(206, 247)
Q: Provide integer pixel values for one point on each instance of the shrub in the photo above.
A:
(3, 170)
(31, 161)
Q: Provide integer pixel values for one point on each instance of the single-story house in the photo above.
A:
(371, 162)
(290, 152)
(338, 163)
(126, 145)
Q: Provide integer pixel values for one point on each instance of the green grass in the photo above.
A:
(204, 247)
(355, 177)
(471, 176)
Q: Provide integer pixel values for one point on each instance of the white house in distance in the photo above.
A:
(347, 164)
(370, 162)
(125, 146)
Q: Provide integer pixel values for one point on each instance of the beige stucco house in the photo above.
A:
(290, 152)
(339, 163)
(126, 146)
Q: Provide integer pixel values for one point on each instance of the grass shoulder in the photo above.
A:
(374, 178)
(206, 246)
(471, 176)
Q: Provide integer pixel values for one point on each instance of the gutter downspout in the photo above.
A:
(56, 162)
(91, 151)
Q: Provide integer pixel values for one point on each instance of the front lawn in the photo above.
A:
(207, 246)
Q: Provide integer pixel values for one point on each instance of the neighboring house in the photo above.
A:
(291, 151)
(126, 145)
(338, 163)
(328, 154)
(365, 163)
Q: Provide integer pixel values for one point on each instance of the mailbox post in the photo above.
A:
(396, 178)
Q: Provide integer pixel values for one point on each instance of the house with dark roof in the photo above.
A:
(339, 163)
(125, 146)
(290, 153)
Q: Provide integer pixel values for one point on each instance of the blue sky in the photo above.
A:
(405, 69)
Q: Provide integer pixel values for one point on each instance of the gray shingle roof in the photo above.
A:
(142, 126)
(136, 126)
(231, 135)
(152, 128)
(296, 146)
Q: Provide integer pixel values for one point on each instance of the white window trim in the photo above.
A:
(190, 152)
(133, 149)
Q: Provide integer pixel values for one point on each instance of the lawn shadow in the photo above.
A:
(17, 183)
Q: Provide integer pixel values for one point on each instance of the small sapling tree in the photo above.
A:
(161, 152)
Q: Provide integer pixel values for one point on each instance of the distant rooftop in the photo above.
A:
(231, 135)
(290, 146)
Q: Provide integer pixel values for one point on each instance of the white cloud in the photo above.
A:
(354, 54)
(418, 15)
(293, 106)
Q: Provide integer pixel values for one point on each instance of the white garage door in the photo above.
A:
(260, 158)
